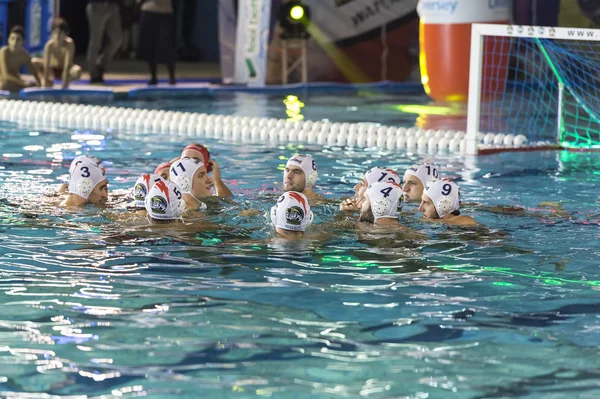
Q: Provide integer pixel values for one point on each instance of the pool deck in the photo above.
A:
(129, 79)
(127, 75)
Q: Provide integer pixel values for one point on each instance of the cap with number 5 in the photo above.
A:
(445, 197)
(164, 201)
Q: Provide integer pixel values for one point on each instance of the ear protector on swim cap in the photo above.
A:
(382, 175)
(161, 167)
(165, 201)
(205, 154)
(87, 159)
(427, 173)
(85, 177)
(385, 199)
(308, 165)
(292, 212)
(182, 173)
(141, 188)
(445, 196)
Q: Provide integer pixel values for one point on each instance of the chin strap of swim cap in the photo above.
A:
(308, 165)
(85, 177)
(427, 173)
(182, 173)
(201, 205)
(445, 196)
(292, 212)
(141, 188)
(385, 199)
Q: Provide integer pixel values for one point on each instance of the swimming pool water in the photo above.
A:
(100, 305)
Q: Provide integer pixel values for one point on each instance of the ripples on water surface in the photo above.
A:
(98, 308)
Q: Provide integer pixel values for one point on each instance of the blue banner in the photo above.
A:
(4, 21)
(38, 23)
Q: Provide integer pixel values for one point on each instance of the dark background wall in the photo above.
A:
(199, 18)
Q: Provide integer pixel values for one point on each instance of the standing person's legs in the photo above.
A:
(153, 65)
(169, 45)
(114, 32)
(96, 16)
(171, 69)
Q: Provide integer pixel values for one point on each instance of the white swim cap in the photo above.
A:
(379, 175)
(292, 212)
(308, 165)
(427, 173)
(385, 199)
(182, 173)
(164, 201)
(141, 188)
(86, 159)
(445, 197)
(85, 177)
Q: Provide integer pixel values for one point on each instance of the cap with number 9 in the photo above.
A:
(445, 197)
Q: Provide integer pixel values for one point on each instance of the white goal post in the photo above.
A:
(544, 61)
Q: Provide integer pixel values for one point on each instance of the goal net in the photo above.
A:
(539, 82)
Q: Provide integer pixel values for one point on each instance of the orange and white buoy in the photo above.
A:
(445, 43)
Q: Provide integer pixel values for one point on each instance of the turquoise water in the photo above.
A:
(99, 304)
(346, 106)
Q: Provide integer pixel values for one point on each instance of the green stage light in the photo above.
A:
(297, 13)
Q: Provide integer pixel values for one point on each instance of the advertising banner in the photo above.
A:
(227, 34)
(38, 23)
(252, 38)
(342, 19)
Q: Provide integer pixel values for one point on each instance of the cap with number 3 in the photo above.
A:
(84, 177)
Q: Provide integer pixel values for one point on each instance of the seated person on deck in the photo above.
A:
(12, 57)
(58, 57)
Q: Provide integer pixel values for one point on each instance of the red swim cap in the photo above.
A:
(164, 165)
(205, 154)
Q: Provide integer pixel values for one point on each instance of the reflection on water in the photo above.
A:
(100, 304)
